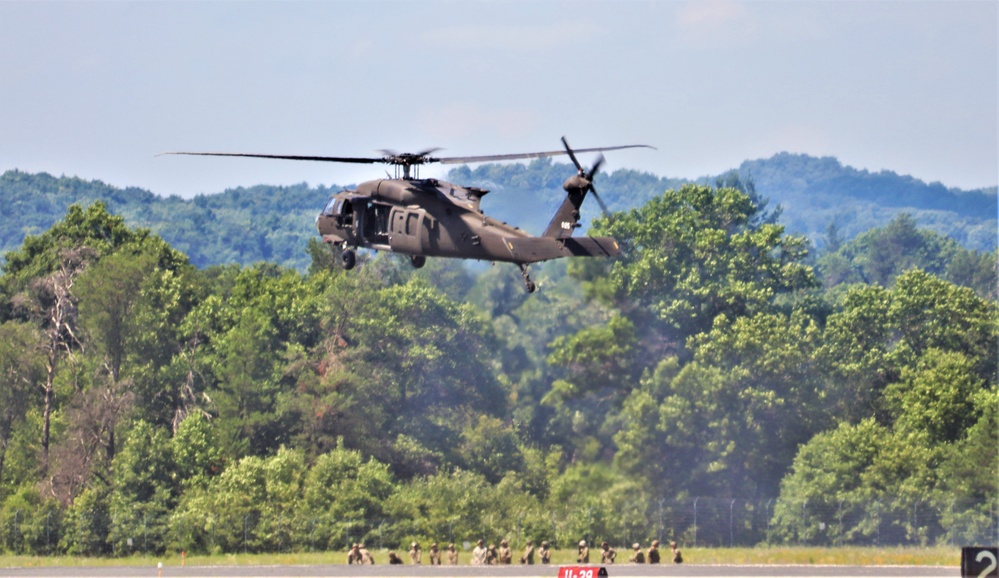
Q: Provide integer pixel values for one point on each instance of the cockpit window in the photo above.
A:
(331, 206)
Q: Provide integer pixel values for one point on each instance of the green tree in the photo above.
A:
(144, 491)
(880, 255)
(109, 292)
(249, 507)
(829, 473)
(969, 474)
(691, 255)
(417, 368)
(41, 255)
(197, 456)
(728, 422)
(39, 282)
(977, 270)
(936, 397)
(598, 502)
(253, 325)
(87, 523)
(344, 499)
(50, 303)
(30, 523)
(247, 390)
(857, 343)
(490, 447)
(927, 312)
(921, 359)
(461, 505)
(21, 371)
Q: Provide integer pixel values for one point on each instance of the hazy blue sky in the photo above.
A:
(96, 89)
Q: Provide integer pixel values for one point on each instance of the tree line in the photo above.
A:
(232, 408)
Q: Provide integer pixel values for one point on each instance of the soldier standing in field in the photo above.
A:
(452, 555)
(435, 555)
(479, 554)
(505, 554)
(637, 556)
(607, 554)
(677, 556)
(354, 556)
(583, 554)
(528, 557)
(415, 555)
(653, 554)
(545, 553)
(366, 557)
(491, 556)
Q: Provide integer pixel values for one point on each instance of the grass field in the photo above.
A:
(930, 556)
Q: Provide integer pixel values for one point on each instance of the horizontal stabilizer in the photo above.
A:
(534, 249)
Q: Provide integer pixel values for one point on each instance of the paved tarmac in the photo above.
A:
(615, 571)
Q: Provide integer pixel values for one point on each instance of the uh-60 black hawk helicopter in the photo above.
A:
(432, 218)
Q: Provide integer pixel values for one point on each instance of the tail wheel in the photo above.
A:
(348, 258)
(418, 261)
(528, 283)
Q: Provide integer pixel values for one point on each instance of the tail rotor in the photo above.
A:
(582, 182)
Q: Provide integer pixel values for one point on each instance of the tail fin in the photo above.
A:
(566, 219)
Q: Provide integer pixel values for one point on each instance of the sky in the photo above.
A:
(98, 89)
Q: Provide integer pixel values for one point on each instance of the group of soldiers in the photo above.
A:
(650, 556)
(488, 555)
(360, 555)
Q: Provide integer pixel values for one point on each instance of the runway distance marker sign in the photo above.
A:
(582, 572)
(979, 561)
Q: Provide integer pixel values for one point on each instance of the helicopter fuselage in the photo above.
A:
(432, 218)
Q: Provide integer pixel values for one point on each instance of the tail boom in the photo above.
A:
(534, 249)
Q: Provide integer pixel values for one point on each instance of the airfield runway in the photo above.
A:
(344, 571)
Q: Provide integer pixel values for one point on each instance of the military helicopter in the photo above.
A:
(432, 218)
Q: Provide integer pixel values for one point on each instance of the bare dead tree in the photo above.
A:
(51, 302)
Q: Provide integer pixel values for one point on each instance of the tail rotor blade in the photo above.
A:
(572, 156)
(595, 168)
(603, 205)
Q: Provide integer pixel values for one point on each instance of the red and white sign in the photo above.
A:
(582, 572)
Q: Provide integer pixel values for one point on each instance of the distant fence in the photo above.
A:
(698, 522)
(712, 522)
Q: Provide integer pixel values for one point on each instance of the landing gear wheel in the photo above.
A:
(528, 284)
(418, 261)
(348, 258)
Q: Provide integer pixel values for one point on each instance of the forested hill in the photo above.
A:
(818, 191)
(242, 225)
(268, 223)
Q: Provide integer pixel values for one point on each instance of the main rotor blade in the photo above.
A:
(518, 156)
(358, 160)
(422, 155)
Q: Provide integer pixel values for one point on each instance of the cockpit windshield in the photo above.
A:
(332, 206)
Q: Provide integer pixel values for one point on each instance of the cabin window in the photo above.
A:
(412, 224)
